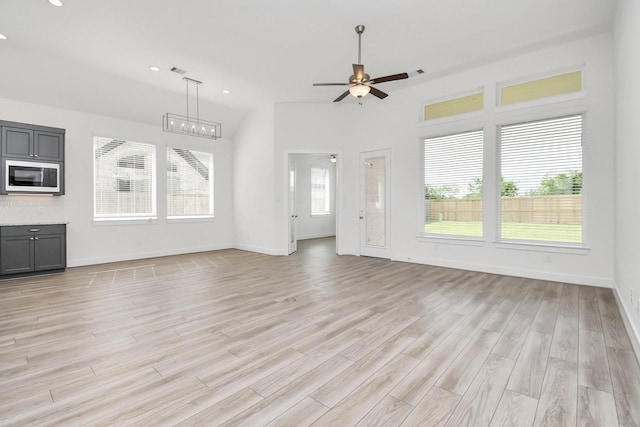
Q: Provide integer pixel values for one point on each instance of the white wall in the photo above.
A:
(308, 226)
(317, 128)
(395, 123)
(627, 225)
(90, 242)
(253, 183)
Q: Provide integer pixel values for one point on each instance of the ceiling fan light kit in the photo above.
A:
(360, 84)
(359, 90)
(192, 126)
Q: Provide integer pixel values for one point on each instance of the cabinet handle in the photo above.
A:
(35, 155)
(34, 230)
(36, 238)
(31, 238)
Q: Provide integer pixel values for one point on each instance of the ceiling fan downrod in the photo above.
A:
(359, 30)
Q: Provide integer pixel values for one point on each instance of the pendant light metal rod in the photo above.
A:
(186, 80)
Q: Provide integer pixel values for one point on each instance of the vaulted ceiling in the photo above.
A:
(94, 55)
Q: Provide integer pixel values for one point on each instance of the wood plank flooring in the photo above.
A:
(233, 338)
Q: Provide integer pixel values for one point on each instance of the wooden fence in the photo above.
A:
(528, 209)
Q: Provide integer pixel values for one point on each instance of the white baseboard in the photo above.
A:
(315, 236)
(507, 271)
(78, 262)
(266, 251)
(634, 334)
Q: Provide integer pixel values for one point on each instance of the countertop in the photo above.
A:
(10, 224)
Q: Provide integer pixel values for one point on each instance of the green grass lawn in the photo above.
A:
(548, 232)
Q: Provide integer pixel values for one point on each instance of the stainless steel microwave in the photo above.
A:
(22, 176)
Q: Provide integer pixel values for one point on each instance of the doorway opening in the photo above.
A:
(313, 180)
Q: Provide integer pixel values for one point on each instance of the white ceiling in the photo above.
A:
(93, 55)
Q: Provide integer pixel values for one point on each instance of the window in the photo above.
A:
(542, 162)
(320, 191)
(124, 179)
(452, 107)
(536, 89)
(453, 184)
(189, 183)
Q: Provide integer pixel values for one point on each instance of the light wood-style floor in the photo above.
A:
(237, 338)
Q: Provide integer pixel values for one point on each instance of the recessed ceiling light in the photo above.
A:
(3, 37)
(56, 2)
(226, 91)
(154, 68)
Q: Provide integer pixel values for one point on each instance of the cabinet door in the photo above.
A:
(17, 143)
(50, 252)
(16, 254)
(48, 146)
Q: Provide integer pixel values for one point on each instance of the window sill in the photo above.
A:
(451, 240)
(183, 219)
(543, 247)
(320, 215)
(124, 221)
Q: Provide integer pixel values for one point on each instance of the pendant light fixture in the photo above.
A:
(192, 126)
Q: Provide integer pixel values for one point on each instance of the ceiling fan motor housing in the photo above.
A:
(354, 79)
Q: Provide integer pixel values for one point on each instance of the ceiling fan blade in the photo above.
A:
(378, 93)
(390, 78)
(358, 72)
(341, 97)
(331, 84)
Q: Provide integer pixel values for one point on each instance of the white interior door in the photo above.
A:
(293, 241)
(374, 203)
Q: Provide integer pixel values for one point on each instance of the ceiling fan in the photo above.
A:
(360, 84)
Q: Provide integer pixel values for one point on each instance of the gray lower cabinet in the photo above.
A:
(26, 248)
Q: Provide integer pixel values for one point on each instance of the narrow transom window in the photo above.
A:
(542, 88)
(543, 161)
(124, 179)
(453, 184)
(455, 106)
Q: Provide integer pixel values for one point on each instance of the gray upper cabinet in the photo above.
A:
(17, 143)
(48, 146)
(31, 142)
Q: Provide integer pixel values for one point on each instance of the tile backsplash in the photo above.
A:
(21, 209)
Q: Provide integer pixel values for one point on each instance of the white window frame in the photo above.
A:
(149, 215)
(327, 191)
(210, 167)
(469, 126)
(527, 116)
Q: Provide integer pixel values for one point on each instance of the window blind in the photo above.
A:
(124, 183)
(544, 161)
(453, 184)
(189, 183)
(320, 191)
